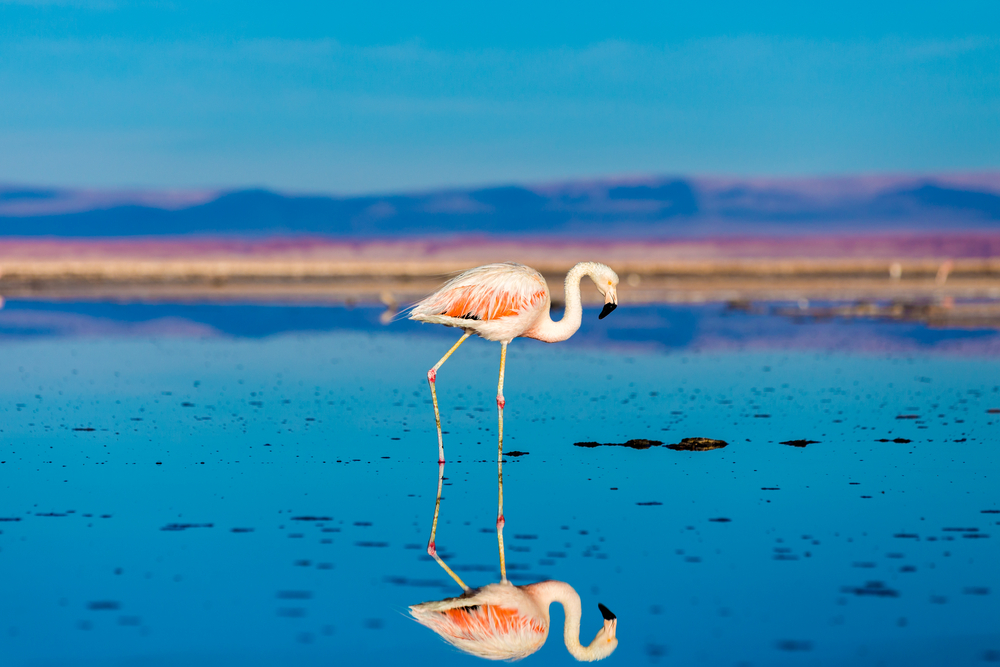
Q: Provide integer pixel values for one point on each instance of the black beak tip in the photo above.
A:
(608, 307)
(606, 613)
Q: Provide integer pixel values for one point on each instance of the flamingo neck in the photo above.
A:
(553, 332)
(547, 592)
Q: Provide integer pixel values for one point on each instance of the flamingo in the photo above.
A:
(501, 302)
(506, 622)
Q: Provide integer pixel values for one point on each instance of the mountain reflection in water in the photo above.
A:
(665, 327)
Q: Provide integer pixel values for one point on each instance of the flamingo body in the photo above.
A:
(507, 622)
(498, 302)
(498, 622)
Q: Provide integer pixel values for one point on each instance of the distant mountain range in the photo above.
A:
(621, 208)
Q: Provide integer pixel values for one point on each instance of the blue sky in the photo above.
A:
(340, 97)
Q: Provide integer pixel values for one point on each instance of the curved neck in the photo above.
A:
(548, 592)
(552, 332)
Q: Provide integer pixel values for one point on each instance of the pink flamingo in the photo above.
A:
(505, 622)
(501, 302)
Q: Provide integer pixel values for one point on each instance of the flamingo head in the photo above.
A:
(605, 642)
(607, 283)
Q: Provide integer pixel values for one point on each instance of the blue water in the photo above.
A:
(258, 485)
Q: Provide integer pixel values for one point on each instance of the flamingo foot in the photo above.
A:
(431, 549)
(500, 522)
(432, 376)
(501, 402)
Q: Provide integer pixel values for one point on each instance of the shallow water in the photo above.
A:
(212, 485)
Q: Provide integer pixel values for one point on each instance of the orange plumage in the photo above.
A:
(468, 621)
(471, 303)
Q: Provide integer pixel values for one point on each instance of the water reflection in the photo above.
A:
(298, 467)
(661, 327)
(506, 622)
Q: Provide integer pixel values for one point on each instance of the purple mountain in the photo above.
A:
(632, 208)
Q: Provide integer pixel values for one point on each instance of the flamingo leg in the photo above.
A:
(500, 520)
(432, 379)
(431, 549)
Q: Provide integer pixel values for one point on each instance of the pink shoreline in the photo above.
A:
(960, 244)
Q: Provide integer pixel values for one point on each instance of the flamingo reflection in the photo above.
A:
(507, 622)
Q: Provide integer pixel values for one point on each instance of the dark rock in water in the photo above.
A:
(184, 526)
(907, 416)
(650, 504)
(721, 519)
(698, 445)
(311, 518)
(873, 589)
(516, 453)
(800, 443)
(88, 429)
(641, 443)
(901, 441)
(638, 443)
(993, 411)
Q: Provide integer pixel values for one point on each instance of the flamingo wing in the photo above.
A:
(486, 293)
(485, 630)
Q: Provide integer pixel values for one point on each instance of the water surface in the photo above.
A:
(214, 485)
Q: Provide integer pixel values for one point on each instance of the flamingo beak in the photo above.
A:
(610, 302)
(610, 622)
